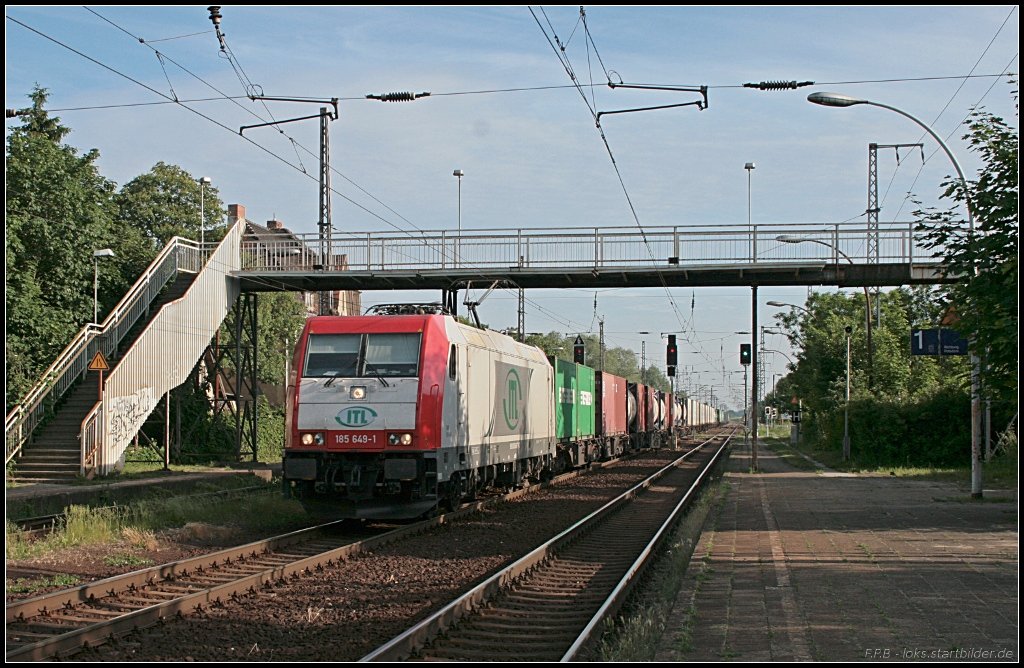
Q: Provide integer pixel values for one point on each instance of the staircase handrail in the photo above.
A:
(74, 359)
(131, 389)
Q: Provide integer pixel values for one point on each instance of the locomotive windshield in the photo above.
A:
(362, 355)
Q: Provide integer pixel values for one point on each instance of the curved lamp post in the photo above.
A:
(203, 182)
(458, 173)
(96, 255)
(787, 239)
(750, 167)
(783, 304)
(840, 100)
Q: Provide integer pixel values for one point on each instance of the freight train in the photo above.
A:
(390, 416)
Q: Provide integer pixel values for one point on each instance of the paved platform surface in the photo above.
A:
(116, 490)
(818, 566)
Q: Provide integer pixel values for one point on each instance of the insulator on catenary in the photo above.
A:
(778, 85)
(393, 97)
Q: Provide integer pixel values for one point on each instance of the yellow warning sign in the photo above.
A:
(99, 362)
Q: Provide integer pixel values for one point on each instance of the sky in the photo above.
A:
(532, 157)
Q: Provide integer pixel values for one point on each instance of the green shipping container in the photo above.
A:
(574, 400)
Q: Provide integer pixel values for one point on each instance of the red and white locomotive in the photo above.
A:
(389, 415)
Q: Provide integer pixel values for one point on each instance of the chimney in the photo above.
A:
(275, 225)
(236, 212)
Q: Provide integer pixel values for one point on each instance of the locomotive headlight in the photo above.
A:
(396, 439)
(357, 392)
(310, 438)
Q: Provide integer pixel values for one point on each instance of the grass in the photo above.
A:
(126, 559)
(635, 636)
(1000, 473)
(111, 495)
(30, 585)
(135, 523)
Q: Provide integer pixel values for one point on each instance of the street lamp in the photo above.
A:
(458, 173)
(846, 409)
(203, 182)
(749, 167)
(840, 100)
(784, 304)
(96, 255)
(769, 350)
(788, 239)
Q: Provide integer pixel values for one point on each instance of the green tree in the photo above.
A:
(985, 261)
(280, 318)
(166, 201)
(886, 423)
(58, 212)
(617, 361)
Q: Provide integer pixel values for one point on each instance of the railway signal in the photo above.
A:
(745, 353)
(671, 352)
(578, 352)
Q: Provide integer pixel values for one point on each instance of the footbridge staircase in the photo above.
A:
(67, 426)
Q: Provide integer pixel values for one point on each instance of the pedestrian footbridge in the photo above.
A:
(67, 426)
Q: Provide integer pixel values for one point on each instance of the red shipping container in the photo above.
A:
(611, 407)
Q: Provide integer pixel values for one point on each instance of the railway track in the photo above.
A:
(63, 622)
(550, 604)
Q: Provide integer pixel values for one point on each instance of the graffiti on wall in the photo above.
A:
(127, 415)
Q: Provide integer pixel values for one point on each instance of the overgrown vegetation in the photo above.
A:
(915, 411)
(30, 585)
(135, 524)
(58, 203)
(637, 634)
(59, 208)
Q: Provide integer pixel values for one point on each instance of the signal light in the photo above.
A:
(745, 353)
(671, 352)
(578, 351)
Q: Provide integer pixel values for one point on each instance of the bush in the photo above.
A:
(931, 431)
(270, 437)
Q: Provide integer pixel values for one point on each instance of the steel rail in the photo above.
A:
(622, 590)
(23, 611)
(404, 645)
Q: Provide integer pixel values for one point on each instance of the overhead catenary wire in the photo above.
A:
(908, 196)
(224, 127)
(495, 91)
(576, 44)
(567, 65)
(294, 143)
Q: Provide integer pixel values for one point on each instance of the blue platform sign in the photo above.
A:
(937, 342)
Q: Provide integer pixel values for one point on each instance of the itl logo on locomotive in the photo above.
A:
(356, 416)
(513, 397)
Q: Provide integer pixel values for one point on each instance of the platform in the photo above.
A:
(31, 497)
(821, 566)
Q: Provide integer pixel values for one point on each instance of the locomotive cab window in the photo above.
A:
(452, 361)
(332, 355)
(362, 355)
(391, 355)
